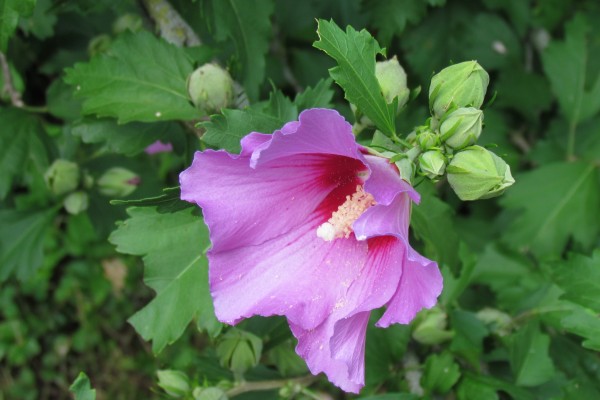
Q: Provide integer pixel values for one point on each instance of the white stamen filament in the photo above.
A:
(340, 223)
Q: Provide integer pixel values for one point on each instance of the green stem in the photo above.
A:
(269, 385)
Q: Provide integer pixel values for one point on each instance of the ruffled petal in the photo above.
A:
(419, 288)
(385, 183)
(314, 346)
(243, 206)
(337, 346)
(296, 274)
(317, 131)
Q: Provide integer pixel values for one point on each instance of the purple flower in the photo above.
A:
(303, 224)
(159, 147)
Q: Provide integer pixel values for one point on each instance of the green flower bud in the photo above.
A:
(477, 173)
(430, 329)
(211, 393)
(211, 88)
(462, 128)
(76, 202)
(127, 22)
(99, 45)
(432, 164)
(62, 177)
(428, 139)
(118, 182)
(459, 85)
(239, 351)
(499, 322)
(392, 81)
(175, 383)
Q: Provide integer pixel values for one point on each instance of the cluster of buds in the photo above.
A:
(447, 142)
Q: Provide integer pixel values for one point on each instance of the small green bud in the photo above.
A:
(99, 45)
(462, 128)
(127, 22)
(118, 182)
(211, 393)
(392, 81)
(477, 173)
(428, 139)
(175, 383)
(431, 328)
(211, 88)
(239, 350)
(432, 164)
(62, 177)
(498, 321)
(76, 202)
(459, 85)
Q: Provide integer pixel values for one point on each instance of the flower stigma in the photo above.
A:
(340, 223)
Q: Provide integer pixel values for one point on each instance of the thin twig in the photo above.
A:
(15, 96)
(268, 385)
(173, 28)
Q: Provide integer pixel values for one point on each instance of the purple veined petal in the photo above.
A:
(419, 288)
(318, 131)
(253, 141)
(297, 274)
(385, 183)
(314, 347)
(380, 220)
(245, 206)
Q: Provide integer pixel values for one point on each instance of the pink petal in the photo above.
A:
(385, 183)
(159, 147)
(295, 274)
(318, 131)
(244, 206)
(419, 288)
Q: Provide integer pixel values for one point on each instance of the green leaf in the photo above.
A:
(20, 141)
(529, 357)
(355, 54)
(441, 373)
(579, 277)
(468, 338)
(568, 207)
(566, 65)
(172, 248)
(431, 220)
(140, 78)
(471, 388)
(129, 139)
(319, 96)
(82, 389)
(22, 240)
(10, 10)
(168, 202)
(248, 24)
(585, 323)
(390, 18)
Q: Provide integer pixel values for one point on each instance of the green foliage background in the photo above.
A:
(94, 83)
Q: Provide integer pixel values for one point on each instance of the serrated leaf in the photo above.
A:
(319, 96)
(441, 373)
(585, 323)
(140, 78)
(559, 201)
(355, 54)
(129, 139)
(10, 10)
(469, 333)
(529, 357)
(172, 249)
(579, 277)
(248, 24)
(21, 241)
(82, 388)
(566, 65)
(19, 142)
(390, 18)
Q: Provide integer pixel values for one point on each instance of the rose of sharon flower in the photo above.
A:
(303, 224)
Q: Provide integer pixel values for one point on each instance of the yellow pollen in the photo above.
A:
(340, 223)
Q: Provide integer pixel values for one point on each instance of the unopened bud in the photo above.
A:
(392, 81)
(459, 85)
(462, 128)
(428, 139)
(118, 182)
(499, 322)
(477, 173)
(431, 328)
(432, 164)
(211, 88)
(76, 202)
(127, 22)
(175, 383)
(239, 350)
(62, 177)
